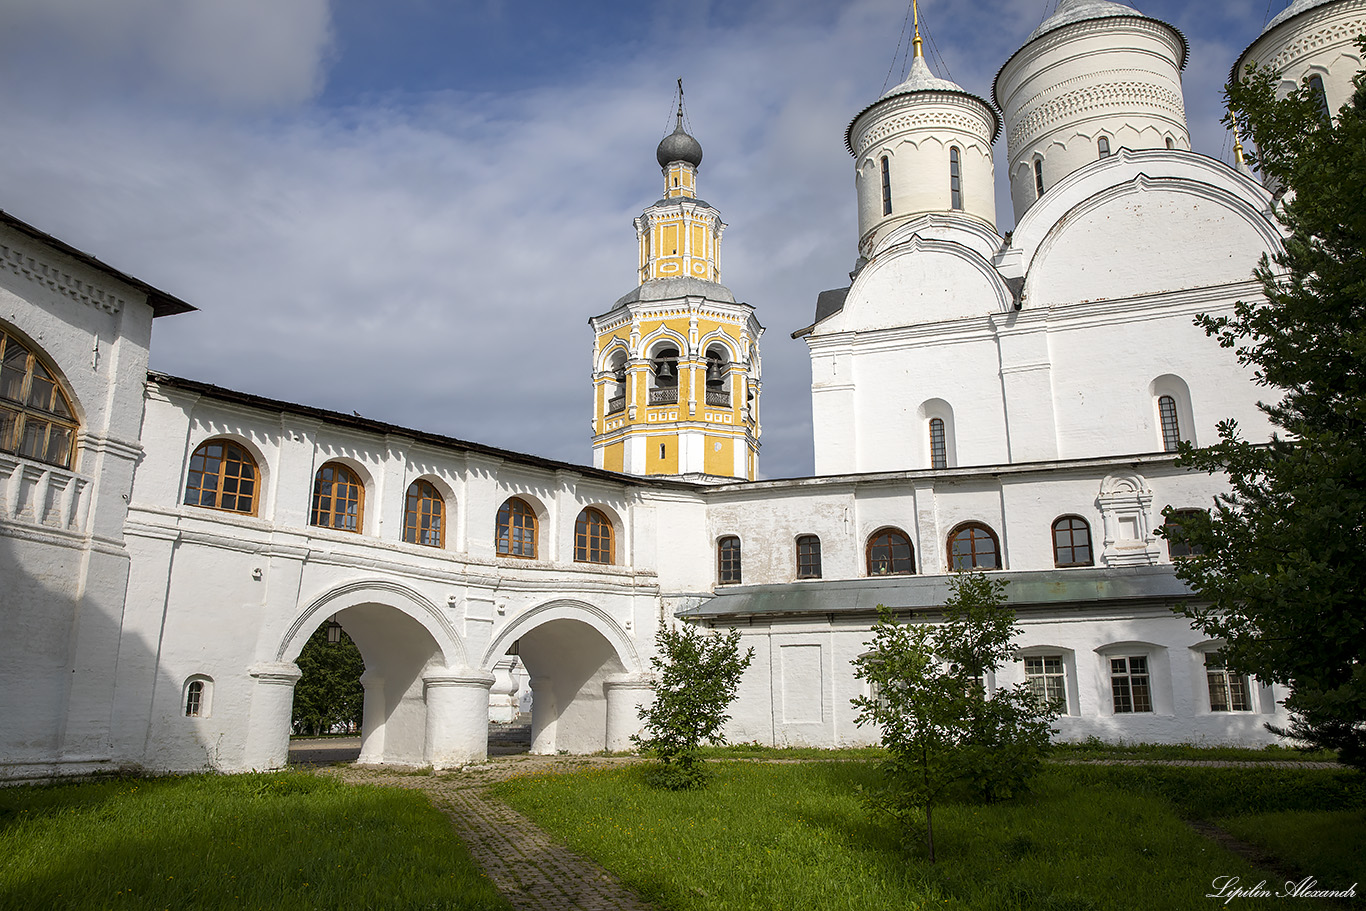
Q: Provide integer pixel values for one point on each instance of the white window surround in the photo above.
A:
(928, 410)
(1159, 676)
(1126, 504)
(1172, 385)
(1261, 696)
(1069, 669)
(205, 706)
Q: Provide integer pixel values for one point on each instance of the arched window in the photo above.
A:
(197, 697)
(955, 178)
(36, 419)
(338, 498)
(973, 546)
(194, 695)
(728, 560)
(1103, 147)
(939, 452)
(1038, 177)
(808, 557)
(886, 186)
(1171, 428)
(592, 537)
(424, 515)
(1071, 542)
(1178, 549)
(1171, 144)
(222, 476)
(890, 553)
(1319, 96)
(516, 529)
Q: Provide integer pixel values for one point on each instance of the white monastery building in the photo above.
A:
(1009, 403)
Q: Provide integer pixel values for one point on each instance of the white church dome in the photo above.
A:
(1311, 40)
(923, 146)
(1094, 77)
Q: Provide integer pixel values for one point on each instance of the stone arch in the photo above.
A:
(373, 591)
(615, 346)
(423, 705)
(586, 676)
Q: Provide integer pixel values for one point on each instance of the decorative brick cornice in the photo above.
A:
(48, 274)
(1329, 33)
(1114, 96)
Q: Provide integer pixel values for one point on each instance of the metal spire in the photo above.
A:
(918, 44)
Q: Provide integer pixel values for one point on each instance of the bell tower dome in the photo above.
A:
(1313, 40)
(1095, 77)
(924, 146)
(676, 371)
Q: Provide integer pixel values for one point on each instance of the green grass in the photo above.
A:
(1330, 845)
(276, 841)
(1093, 748)
(797, 836)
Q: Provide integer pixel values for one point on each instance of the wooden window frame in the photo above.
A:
(1072, 545)
(1236, 688)
(194, 698)
(1171, 423)
(808, 557)
(424, 515)
(729, 568)
(331, 512)
(216, 495)
(886, 186)
(955, 178)
(939, 449)
(891, 561)
(1042, 676)
(955, 565)
(1131, 687)
(21, 417)
(516, 514)
(594, 537)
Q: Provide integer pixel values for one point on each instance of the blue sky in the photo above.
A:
(411, 208)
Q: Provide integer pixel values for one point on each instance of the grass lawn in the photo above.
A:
(279, 841)
(1330, 845)
(796, 836)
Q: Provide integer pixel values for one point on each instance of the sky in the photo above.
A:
(409, 209)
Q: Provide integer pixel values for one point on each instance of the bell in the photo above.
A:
(714, 372)
(665, 370)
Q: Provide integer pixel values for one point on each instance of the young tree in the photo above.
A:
(329, 693)
(1279, 566)
(698, 675)
(928, 697)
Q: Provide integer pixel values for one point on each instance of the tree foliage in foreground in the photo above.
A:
(1280, 568)
(698, 675)
(328, 696)
(948, 737)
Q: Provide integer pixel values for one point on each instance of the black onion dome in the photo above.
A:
(679, 146)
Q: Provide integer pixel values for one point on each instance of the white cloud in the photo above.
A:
(230, 52)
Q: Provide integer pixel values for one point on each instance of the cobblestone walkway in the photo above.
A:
(527, 865)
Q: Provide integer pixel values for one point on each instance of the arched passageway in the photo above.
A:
(423, 704)
(586, 678)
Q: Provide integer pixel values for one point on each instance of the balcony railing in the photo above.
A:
(616, 404)
(665, 396)
(33, 493)
(718, 397)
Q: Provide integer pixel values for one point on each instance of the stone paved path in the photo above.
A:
(533, 871)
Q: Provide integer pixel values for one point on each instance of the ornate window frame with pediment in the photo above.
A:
(1126, 512)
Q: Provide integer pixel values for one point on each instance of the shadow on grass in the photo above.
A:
(281, 841)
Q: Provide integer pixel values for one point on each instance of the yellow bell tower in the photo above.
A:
(676, 371)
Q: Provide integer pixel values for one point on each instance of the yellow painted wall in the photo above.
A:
(669, 463)
(614, 457)
(720, 461)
